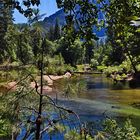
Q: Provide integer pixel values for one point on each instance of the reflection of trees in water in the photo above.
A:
(74, 87)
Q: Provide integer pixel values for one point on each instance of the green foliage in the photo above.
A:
(55, 65)
(73, 135)
(51, 33)
(14, 106)
(50, 48)
(125, 67)
(83, 18)
(101, 55)
(89, 53)
(121, 34)
(115, 132)
(101, 68)
(138, 67)
(50, 70)
(7, 76)
(11, 43)
(5, 128)
(57, 31)
(54, 32)
(33, 70)
(24, 47)
(80, 68)
(111, 131)
(24, 7)
(72, 53)
(112, 69)
(36, 39)
(5, 20)
(94, 63)
(57, 129)
(58, 70)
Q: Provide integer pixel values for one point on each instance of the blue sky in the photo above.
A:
(47, 7)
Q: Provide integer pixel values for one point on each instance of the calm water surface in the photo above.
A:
(101, 97)
(96, 99)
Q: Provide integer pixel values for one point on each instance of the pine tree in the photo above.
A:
(36, 40)
(51, 33)
(24, 49)
(57, 30)
(11, 42)
(5, 20)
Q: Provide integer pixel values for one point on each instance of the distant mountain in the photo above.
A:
(51, 20)
(60, 16)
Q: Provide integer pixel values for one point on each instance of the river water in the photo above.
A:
(94, 98)
(99, 97)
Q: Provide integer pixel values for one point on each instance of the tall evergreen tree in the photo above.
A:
(11, 43)
(51, 33)
(36, 40)
(24, 50)
(57, 31)
(5, 20)
(89, 51)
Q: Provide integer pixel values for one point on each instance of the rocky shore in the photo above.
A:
(47, 88)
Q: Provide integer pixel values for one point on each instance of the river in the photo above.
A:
(94, 98)
(101, 98)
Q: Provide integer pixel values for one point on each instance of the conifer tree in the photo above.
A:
(57, 30)
(5, 20)
(51, 33)
(11, 43)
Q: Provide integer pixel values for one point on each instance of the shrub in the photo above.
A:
(60, 70)
(115, 132)
(111, 69)
(33, 70)
(50, 70)
(101, 68)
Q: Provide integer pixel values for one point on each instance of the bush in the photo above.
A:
(80, 68)
(58, 70)
(138, 67)
(115, 132)
(33, 70)
(101, 68)
(94, 63)
(50, 70)
(111, 131)
(8, 75)
(111, 69)
(69, 68)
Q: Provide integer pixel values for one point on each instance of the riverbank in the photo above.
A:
(47, 88)
(133, 79)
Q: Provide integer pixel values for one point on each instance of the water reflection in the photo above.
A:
(100, 94)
